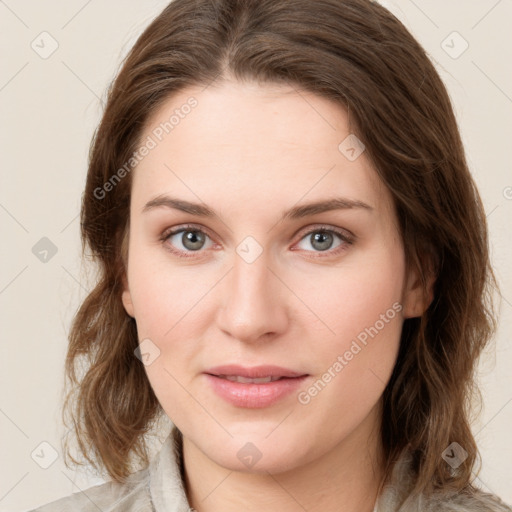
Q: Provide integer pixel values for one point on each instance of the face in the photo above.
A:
(264, 320)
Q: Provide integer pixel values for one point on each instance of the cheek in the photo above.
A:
(163, 296)
(166, 303)
(361, 305)
(353, 297)
(169, 311)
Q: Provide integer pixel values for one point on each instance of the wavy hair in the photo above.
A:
(354, 52)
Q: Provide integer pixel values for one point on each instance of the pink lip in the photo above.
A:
(251, 395)
(253, 372)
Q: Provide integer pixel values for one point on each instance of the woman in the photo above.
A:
(293, 269)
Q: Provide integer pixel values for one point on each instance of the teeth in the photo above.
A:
(245, 380)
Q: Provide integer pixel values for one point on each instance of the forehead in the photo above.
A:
(242, 143)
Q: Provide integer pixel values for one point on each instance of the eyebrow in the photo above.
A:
(297, 212)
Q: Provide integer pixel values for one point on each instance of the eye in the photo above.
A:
(323, 239)
(186, 239)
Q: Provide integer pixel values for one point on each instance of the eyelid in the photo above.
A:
(185, 227)
(345, 234)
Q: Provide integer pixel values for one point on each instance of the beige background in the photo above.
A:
(49, 109)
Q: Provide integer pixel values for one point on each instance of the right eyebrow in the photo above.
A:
(178, 204)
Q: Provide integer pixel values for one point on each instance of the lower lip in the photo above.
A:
(255, 396)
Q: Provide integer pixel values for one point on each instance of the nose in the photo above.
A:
(253, 302)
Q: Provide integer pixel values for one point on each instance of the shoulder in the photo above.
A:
(159, 486)
(472, 501)
(476, 501)
(133, 495)
(396, 498)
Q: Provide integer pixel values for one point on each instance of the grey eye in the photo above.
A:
(321, 240)
(190, 240)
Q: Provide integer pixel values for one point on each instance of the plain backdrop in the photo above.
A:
(50, 104)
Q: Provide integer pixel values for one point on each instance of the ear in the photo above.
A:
(416, 299)
(127, 298)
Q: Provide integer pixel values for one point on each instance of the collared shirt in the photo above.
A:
(160, 488)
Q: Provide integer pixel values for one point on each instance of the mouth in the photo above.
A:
(255, 372)
(245, 380)
(255, 387)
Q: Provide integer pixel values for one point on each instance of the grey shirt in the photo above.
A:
(159, 488)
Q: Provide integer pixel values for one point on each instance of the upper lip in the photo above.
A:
(253, 372)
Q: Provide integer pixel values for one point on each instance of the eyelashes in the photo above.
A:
(199, 236)
(167, 235)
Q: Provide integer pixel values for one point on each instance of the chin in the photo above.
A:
(254, 451)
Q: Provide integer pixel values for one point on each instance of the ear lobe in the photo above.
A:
(416, 299)
(127, 298)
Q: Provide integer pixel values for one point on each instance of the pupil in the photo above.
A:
(192, 240)
(323, 239)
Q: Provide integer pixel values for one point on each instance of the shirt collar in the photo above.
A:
(165, 479)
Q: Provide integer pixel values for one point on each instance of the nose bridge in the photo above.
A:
(253, 305)
(251, 279)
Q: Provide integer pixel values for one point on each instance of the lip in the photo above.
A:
(254, 395)
(253, 372)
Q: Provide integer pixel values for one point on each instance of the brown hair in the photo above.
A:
(358, 54)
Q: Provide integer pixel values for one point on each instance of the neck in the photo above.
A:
(347, 478)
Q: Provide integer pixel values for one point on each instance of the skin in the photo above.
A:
(250, 152)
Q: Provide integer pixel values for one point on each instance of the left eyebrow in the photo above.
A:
(297, 212)
(338, 203)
